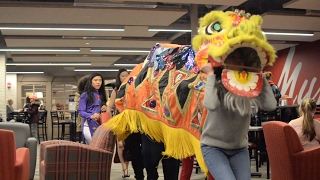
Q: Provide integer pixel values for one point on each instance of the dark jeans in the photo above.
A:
(151, 152)
(133, 145)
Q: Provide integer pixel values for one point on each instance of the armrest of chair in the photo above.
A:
(32, 146)
(91, 161)
(22, 164)
(306, 158)
(46, 143)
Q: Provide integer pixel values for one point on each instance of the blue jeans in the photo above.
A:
(225, 164)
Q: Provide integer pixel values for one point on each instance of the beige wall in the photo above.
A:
(12, 93)
(45, 80)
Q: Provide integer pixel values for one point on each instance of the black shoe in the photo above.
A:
(125, 173)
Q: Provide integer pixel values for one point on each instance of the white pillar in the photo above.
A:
(194, 19)
(3, 86)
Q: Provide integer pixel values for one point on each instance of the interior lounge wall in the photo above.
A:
(12, 93)
(47, 80)
(296, 71)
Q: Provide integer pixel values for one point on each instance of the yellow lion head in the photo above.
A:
(234, 40)
(221, 33)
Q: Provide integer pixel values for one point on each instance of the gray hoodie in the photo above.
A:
(227, 129)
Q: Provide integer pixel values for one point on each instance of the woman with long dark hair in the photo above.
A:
(92, 102)
(132, 144)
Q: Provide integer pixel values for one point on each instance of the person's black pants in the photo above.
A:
(133, 145)
(151, 152)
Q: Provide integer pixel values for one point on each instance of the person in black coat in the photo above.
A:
(33, 115)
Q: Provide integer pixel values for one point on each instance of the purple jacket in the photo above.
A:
(87, 110)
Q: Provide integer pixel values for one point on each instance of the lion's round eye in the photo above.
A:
(213, 27)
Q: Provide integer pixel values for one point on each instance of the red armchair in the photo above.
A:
(14, 163)
(288, 159)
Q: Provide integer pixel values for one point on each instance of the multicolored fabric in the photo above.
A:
(164, 101)
(64, 160)
(163, 96)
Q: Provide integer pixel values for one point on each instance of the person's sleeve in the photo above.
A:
(32, 110)
(266, 97)
(112, 100)
(83, 106)
(211, 101)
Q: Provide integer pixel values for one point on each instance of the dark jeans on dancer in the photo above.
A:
(151, 152)
(133, 144)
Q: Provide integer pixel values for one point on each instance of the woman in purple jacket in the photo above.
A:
(91, 103)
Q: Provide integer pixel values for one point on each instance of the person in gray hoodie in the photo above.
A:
(224, 142)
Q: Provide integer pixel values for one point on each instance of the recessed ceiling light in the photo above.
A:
(60, 29)
(87, 43)
(48, 64)
(288, 34)
(43, 50)
(129, 65)
(267, 33)
(120, 51)
(93, 70)
(169, 30)
(24, 72)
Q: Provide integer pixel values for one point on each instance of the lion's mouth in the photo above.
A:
(244, 57)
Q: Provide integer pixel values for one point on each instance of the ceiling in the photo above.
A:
(108, 29)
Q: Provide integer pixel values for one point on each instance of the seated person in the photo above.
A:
(10, 109)
(308, 129)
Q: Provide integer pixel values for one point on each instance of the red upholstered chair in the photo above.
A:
(60, 159)
(288, 159)
(14, 163)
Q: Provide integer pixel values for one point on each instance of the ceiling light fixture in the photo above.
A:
(42, 50)
(48, 64)
(129, 65)
(111, 4)
(120, 51)
(169, 30)
(92, 70)
(24, 72)
(60, 29)
(266, 33)
(288, 34)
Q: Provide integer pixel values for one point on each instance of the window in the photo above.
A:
(62, 95)
(38, 90)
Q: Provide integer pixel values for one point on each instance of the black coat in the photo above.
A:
(33, 112)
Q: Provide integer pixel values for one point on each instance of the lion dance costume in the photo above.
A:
(163, 96)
